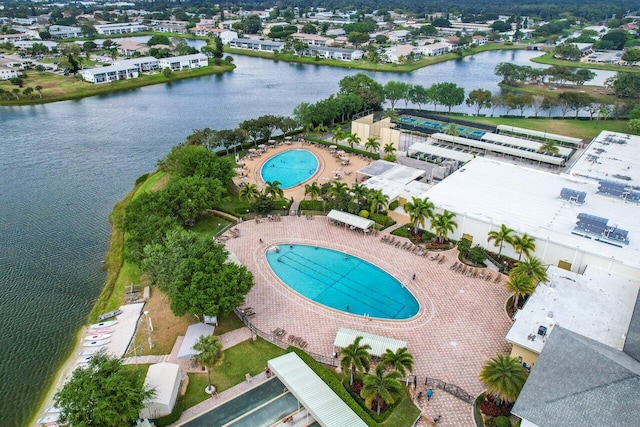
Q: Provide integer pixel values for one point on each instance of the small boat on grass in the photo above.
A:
(96, 343)
(52, 410)
(103, 324)
(109, 315)
(84, 359)
(91, 351)
(97, 337)
(101, 331)
(49, 418)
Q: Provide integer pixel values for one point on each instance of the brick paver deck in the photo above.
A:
(461, 323)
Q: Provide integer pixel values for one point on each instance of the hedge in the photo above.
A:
(382, 219)
(346, 148)
(311, 205)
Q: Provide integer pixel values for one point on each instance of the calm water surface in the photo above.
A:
(64, 165)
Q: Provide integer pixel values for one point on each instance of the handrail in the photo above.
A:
(452, 389)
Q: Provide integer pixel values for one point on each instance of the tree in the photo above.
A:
(520, 285)
(631, 55)
(353, 139)
(312, 190)
(389, 148)
(401, 360)
(355, 357)
(249, 192)
(210, 354)
(548, 102)
(449, 94)
(273, 190)
(377, 199)
(419, 210)
(524, 244)
(372, 144)
(499, 237)
(358, 193)
(337, 189)
(357, 38)
(625, 85)
(567, 51)
(105, 393)
(451, 129)
(532, 267)
(504, 377)
(395, 91)
(158, 39)
(479, 99)
(338, 135)
(365, 88)
(381, 386)
(28, 91)
(443, 224)
(419, 95)
(549, 147)
(577, 101)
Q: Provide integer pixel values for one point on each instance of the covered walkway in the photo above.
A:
(378, 344)
(321, 402)
(353, 221)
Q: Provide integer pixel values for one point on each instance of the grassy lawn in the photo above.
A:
(585, 129)
(209, 225)
(404, 414)
(195, 390)
(228, 322)
(56, 87)
(548, 59)
(599, 93)
(154, 182)
(369, 66)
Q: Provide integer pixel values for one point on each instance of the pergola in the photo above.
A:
(379, 344)
(353, 221)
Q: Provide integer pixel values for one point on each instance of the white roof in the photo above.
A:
(392, 171)
(395, 190)
(446, 153)
(522, 143)
(194, 332)
(597, 305)
(350, 219)
(323, 404)
(496, 148)
(379, 344)
(527, 200)
(545, 135)
(163, 377)
(183, 57)
(609, 155)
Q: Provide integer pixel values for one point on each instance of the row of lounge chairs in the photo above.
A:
(475, 272)
(279, 332)
(438, 257)
(407, 246)
(297, 341)
(247, 312)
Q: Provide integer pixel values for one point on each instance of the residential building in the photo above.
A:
(336, 32)
(64, 31)
(125, 28)
(12, 38)
(261, 45)
(333, 53)
(480, 40)
(400, 53)
(173, 27)
(398, 36)
(184, 62)
(313, 39)
(7, 71)
(121, 70)
(228, 25)
(453, 42)
(434, 49)
(130, 48)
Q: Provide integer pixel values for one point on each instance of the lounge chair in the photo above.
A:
(393, 239)
(464, 269)
(425, 254)
(488, 277)
(498, 278)
(291, 337)
(454, 266)
(442, 259)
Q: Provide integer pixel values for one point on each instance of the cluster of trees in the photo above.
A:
(262, 201)
(421, 210)
(625, 85)
(504, 377)
(357, 199)
(512, 74)
(192, 271)
(383, 386)
(16, 92)
(443, 93)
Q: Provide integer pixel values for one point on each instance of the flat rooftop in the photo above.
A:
(527, 200)
(612, 156)
(392, 171)
(597, 304)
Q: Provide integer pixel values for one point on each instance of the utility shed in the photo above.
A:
(165, 379)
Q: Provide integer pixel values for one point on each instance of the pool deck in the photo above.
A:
(461, 322)
(327, 164)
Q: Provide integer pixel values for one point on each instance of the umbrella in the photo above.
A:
(340, 151)
(287, 137)
(261, 146)
(251, 150)
(333, 147)
(345, 158)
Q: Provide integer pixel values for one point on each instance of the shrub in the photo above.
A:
(477, 254)
(364, 213)
(142, 178)
(488, 407)
(311, 205)
(393, 205)
(463, 246)
(502, 421)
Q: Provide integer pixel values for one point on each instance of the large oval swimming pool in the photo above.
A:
(341, 281)
(291, 167)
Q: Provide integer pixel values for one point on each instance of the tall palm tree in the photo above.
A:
(499, 237)
(520, 285)
(504, 377)
(391, 114)
(549, 147)
(353, 139)
(320, 129)
(381, 386)
(419, 210)
(249, 192)
(338, 134)
(210, 355)
(312, 190)
(358, 193)
(16, 92)
(533, 268)
(401, 360)
(377, 199)
(372, 144)
(524, 244)
(273, 190)
(443, 224)
(451, 129)
(39, 90)
(355, 356)
(337, 188)
(389, 148)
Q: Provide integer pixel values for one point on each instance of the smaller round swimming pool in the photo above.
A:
(290, 168)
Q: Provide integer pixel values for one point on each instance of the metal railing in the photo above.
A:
(452, 389)
(282, 341)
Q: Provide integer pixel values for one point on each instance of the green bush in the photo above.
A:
(502, 421)
(383, 220)
(464, 245)
(477, 254)
(364, 213)
(393, 205)
(311, 205)
(142, 178)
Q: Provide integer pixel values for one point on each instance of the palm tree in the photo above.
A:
(312, 190)
(533, 268)
(380, 387)
(39, 90)
(549, 147)
(358, 193)
(28, 91)
(390, 113)
(273, 190)
(337, 188)
(499, 237)
(355, 356)
(338, 135)
(443, 224)
(353, 139)
(16, 93)
(372, 144)
(451, 129)
(210, 355)
(504, 377)
(520, 285)
(419, 210)
(524, 244)
(2, 92)
(320, 129)
(389, 148)
(249, 192)
(377, 199)
(401, 360)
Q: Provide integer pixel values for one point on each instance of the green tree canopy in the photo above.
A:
(504, 377)
(365, 88)
(449, 94)
(210, 353)
(355, 356)
(159, 39)
(104, 394)
(381, 386)
(479, 99)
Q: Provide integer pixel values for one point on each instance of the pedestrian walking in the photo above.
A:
(413, 277)
(429, 394)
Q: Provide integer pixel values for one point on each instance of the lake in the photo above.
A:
(64, 165)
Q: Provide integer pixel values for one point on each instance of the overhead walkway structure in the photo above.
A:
(542, 136)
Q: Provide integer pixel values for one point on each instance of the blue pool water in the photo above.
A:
(290, 167)
(342, 282)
